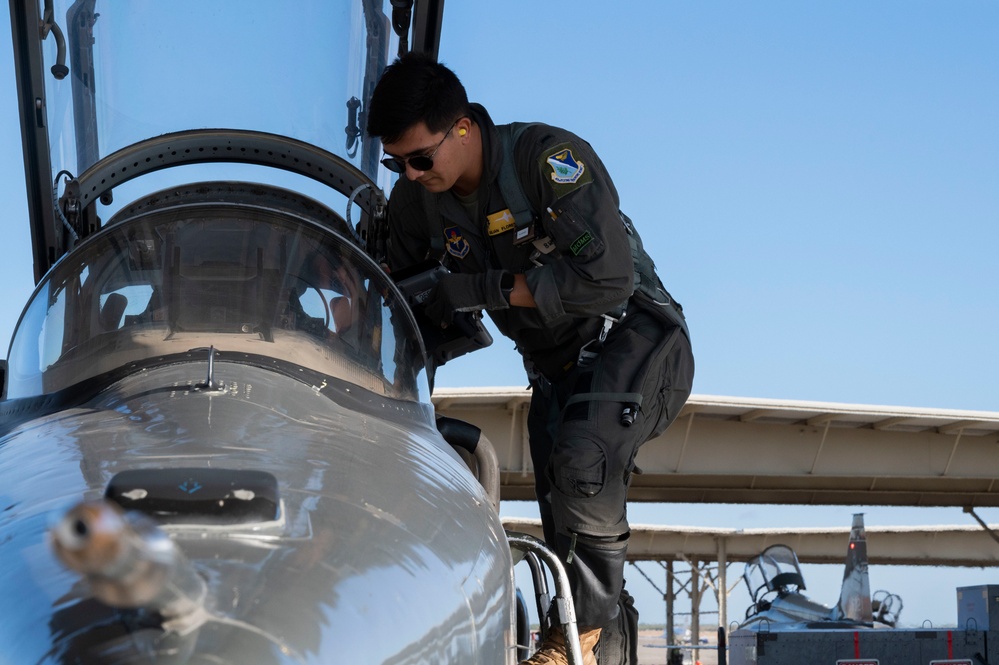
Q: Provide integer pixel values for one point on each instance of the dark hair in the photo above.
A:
(415, 88)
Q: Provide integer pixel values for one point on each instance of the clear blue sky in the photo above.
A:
(818, 183)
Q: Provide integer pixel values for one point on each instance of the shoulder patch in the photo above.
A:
(566, 172)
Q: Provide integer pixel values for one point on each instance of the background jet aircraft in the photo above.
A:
(776, 584)
(216, 438)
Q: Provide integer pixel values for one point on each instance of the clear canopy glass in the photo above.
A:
(775, 567)
(139, 69)
(172, 285)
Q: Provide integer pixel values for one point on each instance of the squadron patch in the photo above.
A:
(567, 173)
(500, 222)
(457, 246)
(565, 168)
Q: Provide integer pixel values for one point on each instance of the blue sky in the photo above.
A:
(818, 183)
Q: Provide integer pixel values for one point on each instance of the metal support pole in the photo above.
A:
(722, 588)
(695, 605)
(673, 656)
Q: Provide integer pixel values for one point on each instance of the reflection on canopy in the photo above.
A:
(238, 278)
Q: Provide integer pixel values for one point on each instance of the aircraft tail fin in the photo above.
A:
(855, 594)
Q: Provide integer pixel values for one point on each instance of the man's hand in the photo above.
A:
(458, 292)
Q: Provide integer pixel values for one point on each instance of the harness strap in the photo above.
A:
(509, 183)
(627, 398)
(589, 352)
(435, 228)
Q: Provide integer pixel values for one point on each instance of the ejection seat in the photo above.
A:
(773, 573)
(112, 311)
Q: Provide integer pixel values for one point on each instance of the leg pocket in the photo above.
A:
(588, 493)
(582, 482)
(578, 468)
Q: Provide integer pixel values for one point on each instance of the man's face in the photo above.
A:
(418, 140)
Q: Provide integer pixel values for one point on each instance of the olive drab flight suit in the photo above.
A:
(589, 412)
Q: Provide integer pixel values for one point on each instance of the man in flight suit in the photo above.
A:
(606, 348)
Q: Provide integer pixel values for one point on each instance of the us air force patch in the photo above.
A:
(457, 246)
(565, 168)
(567, 173)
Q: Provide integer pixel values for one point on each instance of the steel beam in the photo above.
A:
(732, 450)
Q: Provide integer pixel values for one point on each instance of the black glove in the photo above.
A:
(460, 292)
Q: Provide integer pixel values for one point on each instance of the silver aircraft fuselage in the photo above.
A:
(386, 546)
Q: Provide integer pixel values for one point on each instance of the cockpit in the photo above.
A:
(775, 570)
(135, 264)
(244, 269)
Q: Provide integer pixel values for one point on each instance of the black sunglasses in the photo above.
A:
(418, 162)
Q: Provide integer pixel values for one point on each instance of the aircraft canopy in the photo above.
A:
(252, 282)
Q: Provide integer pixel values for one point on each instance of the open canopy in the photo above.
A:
(98, 76)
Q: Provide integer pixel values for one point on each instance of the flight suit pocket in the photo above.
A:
(578, 467)
(582, 482)
(572, 237)
(586, 498)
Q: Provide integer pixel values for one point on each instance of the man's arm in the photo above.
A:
(520, 295)
(594, 271)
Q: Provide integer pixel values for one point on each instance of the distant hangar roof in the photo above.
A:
(768, 451)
